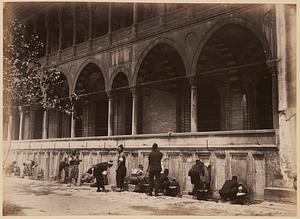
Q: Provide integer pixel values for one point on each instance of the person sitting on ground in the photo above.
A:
(17, 171)
(87, 177)
(99, 170)
(173, 188)
(10, 169)
(164, 181)
(230, 189)
(196, 172)
(28, 167)
(137, 175)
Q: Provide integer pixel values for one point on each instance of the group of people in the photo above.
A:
(70, 166)
(153, 181)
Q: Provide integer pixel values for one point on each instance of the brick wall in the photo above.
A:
(159, 112)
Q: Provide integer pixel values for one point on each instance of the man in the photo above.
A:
(173, 188)
(121, 169)
(10, 169)
(63, 166)
(230, 189)
(98, 170)
(28, 167)
(73, 163)
(154, 169)
(196, 172)
(164, 181)
(137, 175)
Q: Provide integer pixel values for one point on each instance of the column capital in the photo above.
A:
(193, 81)
(109, 94)
(134, 92)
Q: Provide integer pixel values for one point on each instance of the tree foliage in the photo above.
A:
(25, 81)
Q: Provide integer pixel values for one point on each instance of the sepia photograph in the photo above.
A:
(149, 108)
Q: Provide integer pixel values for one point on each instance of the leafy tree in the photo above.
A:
(25, 81)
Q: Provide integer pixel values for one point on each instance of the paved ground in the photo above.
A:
(32, 198)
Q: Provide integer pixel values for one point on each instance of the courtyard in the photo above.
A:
(43, 198)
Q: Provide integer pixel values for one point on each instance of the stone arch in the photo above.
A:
(119, 69)
(67, 76)
(83, 65)
(235, 21)
(170, 42)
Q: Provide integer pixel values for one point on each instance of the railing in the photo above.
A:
(244, 139)
(53, 58)
(148, 25)
(178, 17)
(99, 42)
(66, 54)
(122, 34)
(82, 48)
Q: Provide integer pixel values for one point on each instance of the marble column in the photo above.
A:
(110, 114)
(90, 7)
(60, 32)
(45, 124)
(194, 105)
(134, 128)
(21, 109)
(74, 29)
(135, 18)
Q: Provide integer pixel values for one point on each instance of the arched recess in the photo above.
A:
(163, 91)
(231, 21)
(59, 121)
(89, 61)
(91, 109)
(235, 85)
(166, 41)
(122, 105)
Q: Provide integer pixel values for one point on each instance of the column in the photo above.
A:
(194, 106)
(47, 37)
(134, 128)
(135, 18)
(110, 114)
(163, 11)
(60, 32)
(73, 123)
(90, 6)
(21, 122)
(9, 126)
(109, 22)
(45, 124)
(274, 96)
(74, 29)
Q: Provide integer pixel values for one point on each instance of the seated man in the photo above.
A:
(28, 167)
(164, 181)
(173, 188)
(231, 189)
(87, 177)
(10, 169)
(137, 175)
(98, 171)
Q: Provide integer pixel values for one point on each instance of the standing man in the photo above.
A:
(154, 169)
(121, 169)
(74, 162)
(196, 172)
(63, 166)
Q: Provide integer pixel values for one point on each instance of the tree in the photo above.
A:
(25, 81)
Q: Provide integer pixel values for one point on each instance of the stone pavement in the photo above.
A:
(32, 198)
